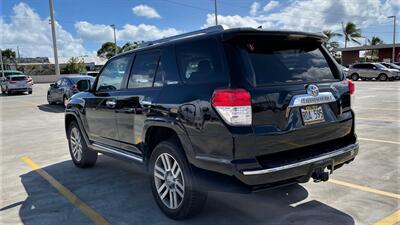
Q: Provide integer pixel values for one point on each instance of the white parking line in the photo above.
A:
(382, 141)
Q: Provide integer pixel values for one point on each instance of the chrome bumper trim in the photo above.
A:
(349, 148)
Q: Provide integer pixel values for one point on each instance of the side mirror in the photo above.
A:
(83, 85)
(52, 85)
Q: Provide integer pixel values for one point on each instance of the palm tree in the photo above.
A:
(351, 33)
(375, 41)
(331, 45)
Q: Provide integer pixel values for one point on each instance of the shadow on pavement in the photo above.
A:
(122, 195)
(51, 108)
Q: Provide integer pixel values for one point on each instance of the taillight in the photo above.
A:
(351, 85)
(233, 105)
(73, 88)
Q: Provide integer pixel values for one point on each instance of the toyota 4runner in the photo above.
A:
(237, 109)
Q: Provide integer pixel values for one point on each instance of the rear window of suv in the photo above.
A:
(19, 78)
(281, 61)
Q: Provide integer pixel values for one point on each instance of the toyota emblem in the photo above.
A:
(312, 90)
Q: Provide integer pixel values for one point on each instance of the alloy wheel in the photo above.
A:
(169, 181)
(76, 144)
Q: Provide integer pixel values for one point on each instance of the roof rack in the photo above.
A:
(208, 30)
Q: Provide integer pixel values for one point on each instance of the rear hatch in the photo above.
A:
(298, 95)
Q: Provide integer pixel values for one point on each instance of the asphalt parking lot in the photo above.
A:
(40, 185)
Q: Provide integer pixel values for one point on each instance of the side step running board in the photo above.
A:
(113, 151)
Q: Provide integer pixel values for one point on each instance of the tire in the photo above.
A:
(82, 156)
(8, 92)
(382, 77)
(355, 77)
(30, 92)
(179, 185)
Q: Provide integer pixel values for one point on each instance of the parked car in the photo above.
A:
(16, 83)
(371, 71)
(236, 110)
(393, 67)
(64, 88)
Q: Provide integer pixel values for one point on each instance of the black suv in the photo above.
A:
(239, 109)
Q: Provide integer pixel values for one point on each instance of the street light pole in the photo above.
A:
(115, 38)
(215, 12)
(394, 38)
(53, 33)
(1, 62)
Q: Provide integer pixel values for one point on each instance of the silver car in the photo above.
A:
(16, 83)
(370, 71)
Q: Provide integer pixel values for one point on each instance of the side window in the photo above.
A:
(64, 83)
(357, 66)
(58, 83)
(200, 62)
(143, 70)
(111, 77)
(160, 74)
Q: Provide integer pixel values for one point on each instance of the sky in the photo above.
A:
(83, 25)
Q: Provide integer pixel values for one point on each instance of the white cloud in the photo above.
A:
(271, 5)
(145, 11)
(254, 8)
(129, 32)
(33, 35)
(303, 15)
(94, 32)
(232, 21)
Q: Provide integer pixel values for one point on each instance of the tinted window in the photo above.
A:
(200, 62)
(112, 75)
(143, 70)
(357, 66)
(76, 79)
(58, 83)
(64, 83)
(279, 60)
(18, 78)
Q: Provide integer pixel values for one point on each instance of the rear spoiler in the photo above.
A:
(294, 35)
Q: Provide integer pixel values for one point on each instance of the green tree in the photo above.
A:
(107, 50)
(129, 46)
(374, 41)
(329, 44)
(75, 65)
(8, 53)
(351, 33)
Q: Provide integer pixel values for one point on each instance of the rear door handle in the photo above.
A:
(111, 103)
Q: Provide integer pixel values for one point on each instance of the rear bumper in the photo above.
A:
(20, 89)
(246, 174)
(299, 171)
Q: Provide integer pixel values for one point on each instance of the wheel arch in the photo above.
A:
(156, 132)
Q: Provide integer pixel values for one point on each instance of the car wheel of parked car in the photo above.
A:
(173, 182)
(81, 154)
(355, 77)
(8, 92)
(382, 77)
(30, 92)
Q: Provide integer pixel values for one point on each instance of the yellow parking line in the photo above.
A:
(363, 188)
(71, 197)
(382, 141)
(390, 220)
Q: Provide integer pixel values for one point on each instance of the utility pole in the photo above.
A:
(115, 39)
(1, 62)
(215, 12)
(53, 33)
(394, 38)
(18, 56)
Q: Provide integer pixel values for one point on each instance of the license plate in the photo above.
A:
(312, 114)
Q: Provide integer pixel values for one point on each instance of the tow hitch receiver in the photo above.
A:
(322, 171)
